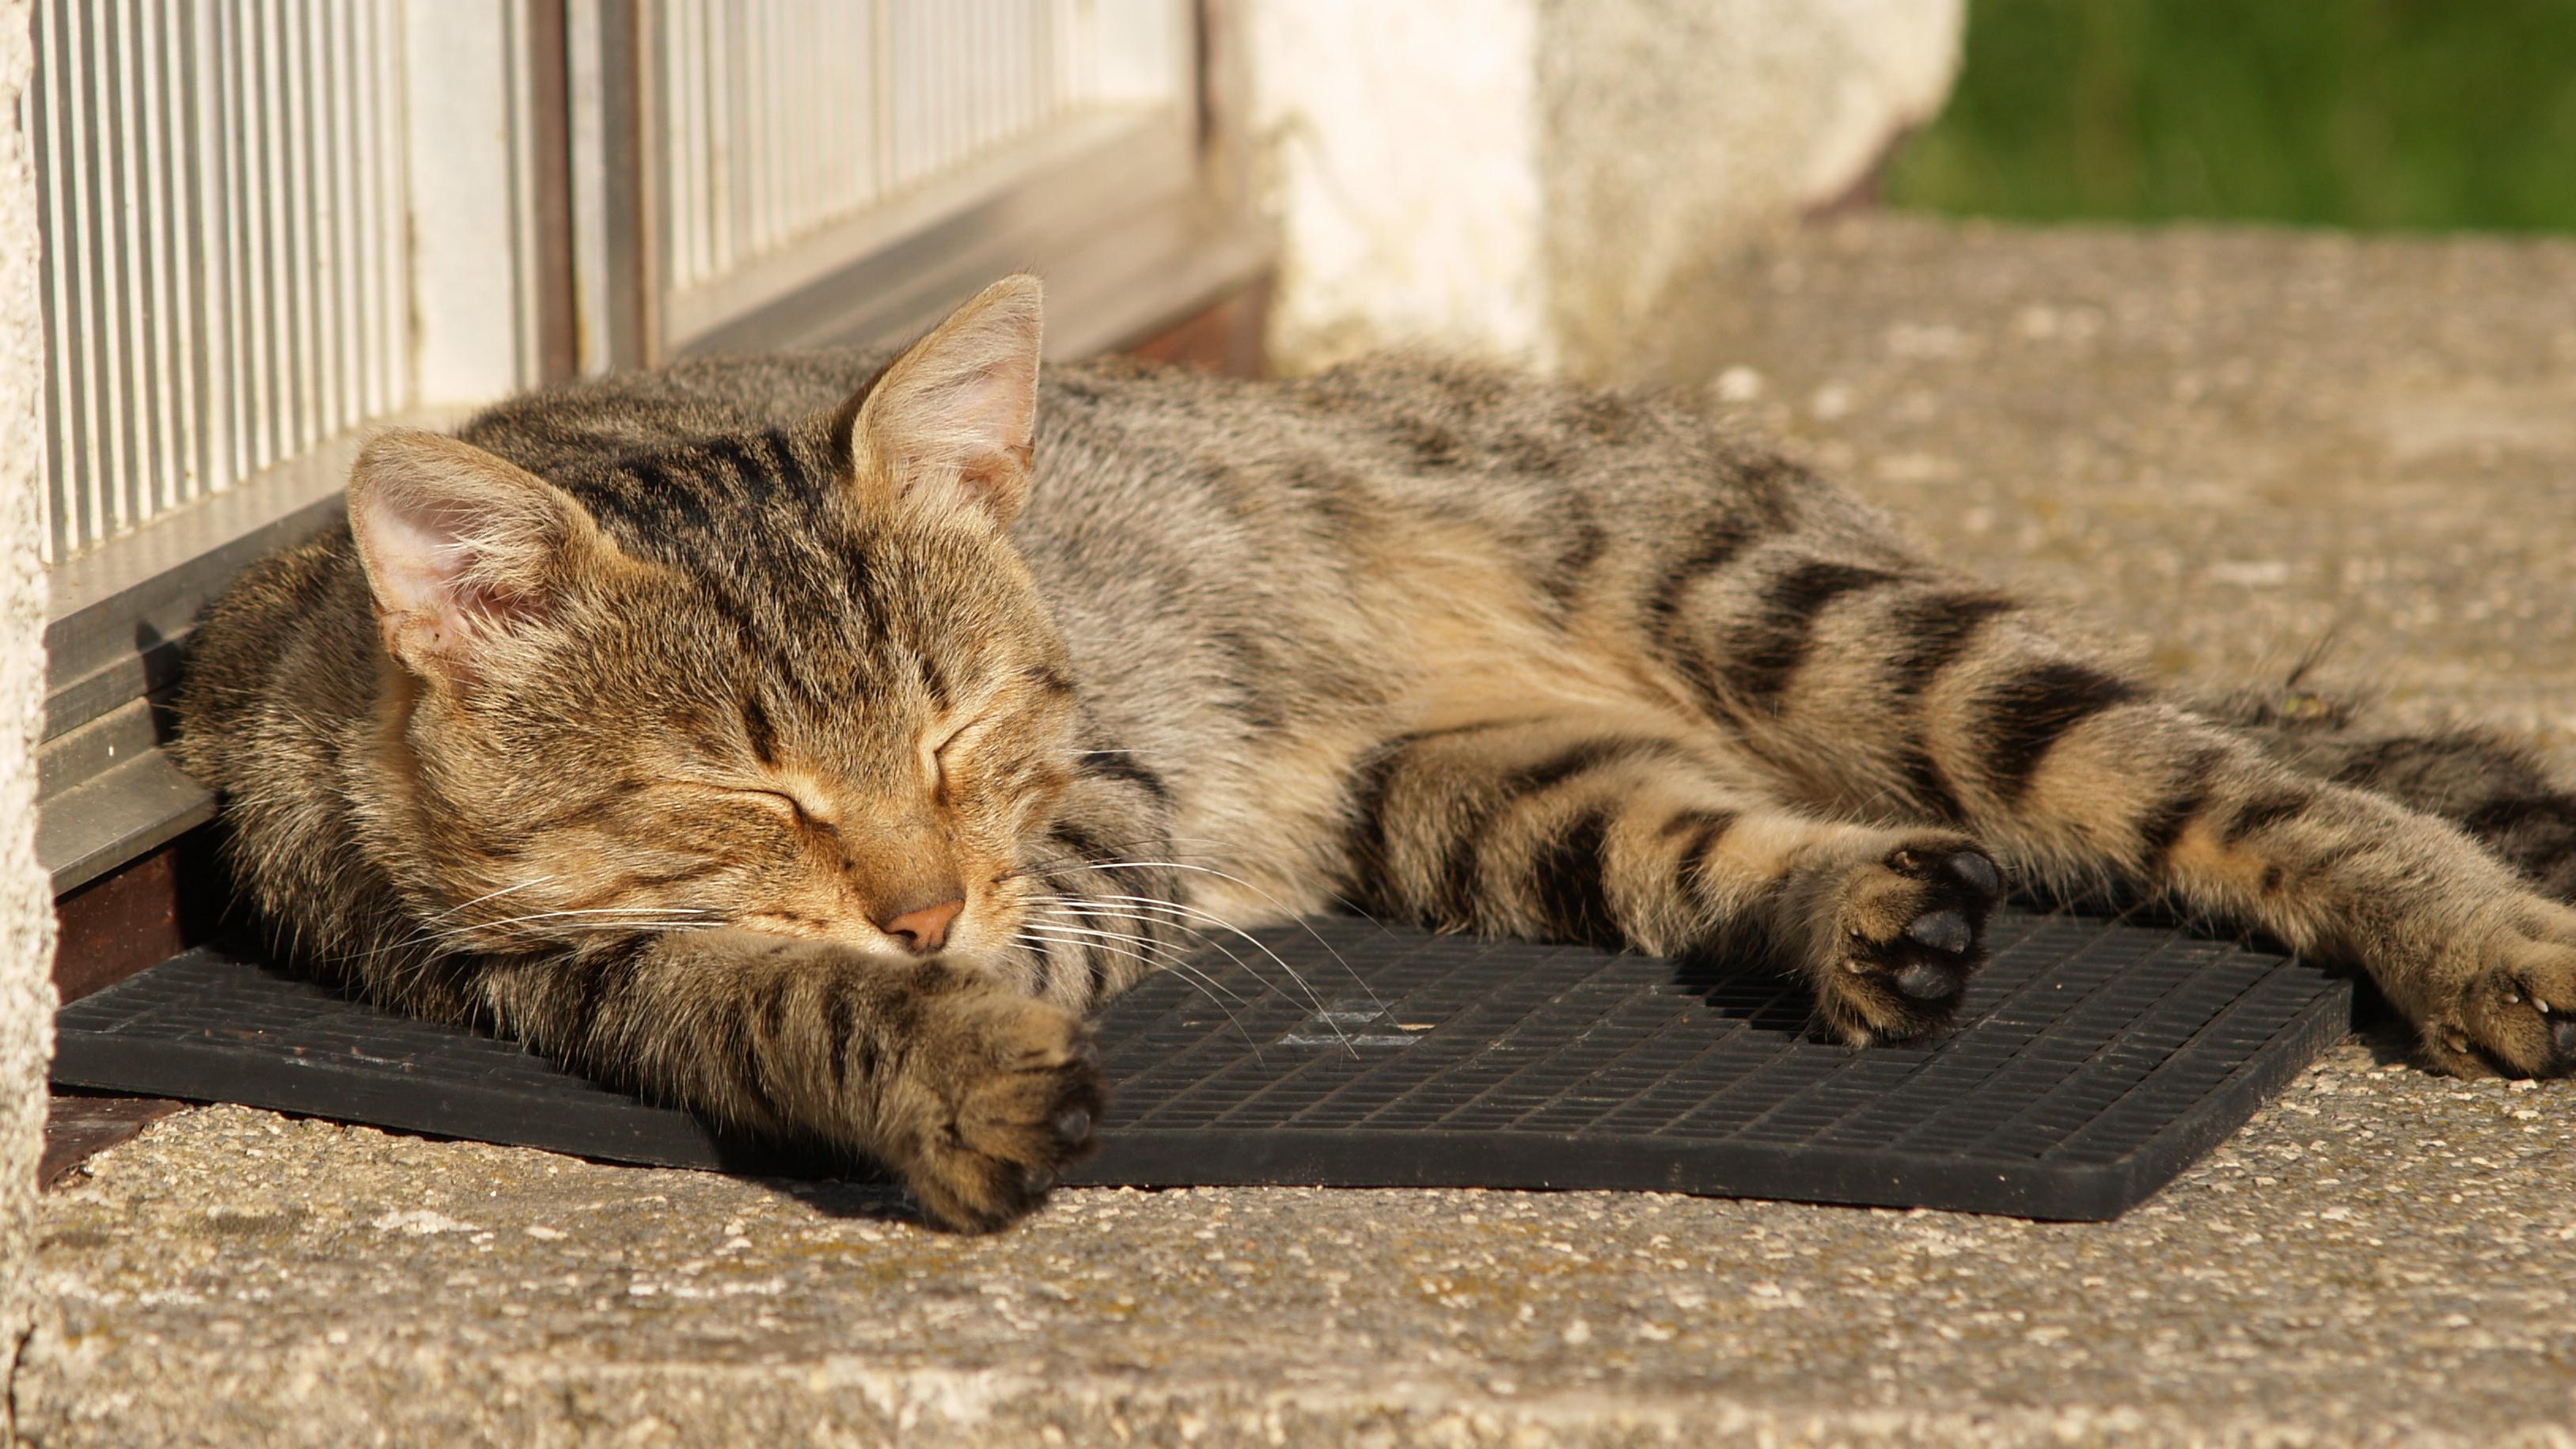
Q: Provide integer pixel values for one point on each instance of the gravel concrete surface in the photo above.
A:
(2224, 443)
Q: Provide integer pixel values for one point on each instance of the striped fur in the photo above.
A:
(749, 657)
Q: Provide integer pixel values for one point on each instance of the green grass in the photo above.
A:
(2348, 113)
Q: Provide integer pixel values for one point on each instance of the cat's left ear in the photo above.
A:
(950, 422)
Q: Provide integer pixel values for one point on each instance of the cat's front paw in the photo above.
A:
(1013, 1091)
(2510, 1009)
(1908, 929)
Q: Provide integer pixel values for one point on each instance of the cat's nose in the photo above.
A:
(923, 929)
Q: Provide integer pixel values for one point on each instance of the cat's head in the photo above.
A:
(794, 680)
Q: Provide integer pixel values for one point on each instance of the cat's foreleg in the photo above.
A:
(974, 1091)
(1622, 831)
(971, 1074)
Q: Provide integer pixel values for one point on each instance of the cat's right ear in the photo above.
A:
(459, 546)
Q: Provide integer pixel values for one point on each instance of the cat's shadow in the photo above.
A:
(1762, 998)
(850, 1198)
(830, 1182)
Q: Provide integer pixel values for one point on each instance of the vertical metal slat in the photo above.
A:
(297, 283)
(261, 311)
(336, 360)
(211, 263)
(85, 337)
(156, 477)
(47, 104)
(174, 121)
(391, 249)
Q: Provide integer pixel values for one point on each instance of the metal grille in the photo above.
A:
(781, 117)
(222, 196)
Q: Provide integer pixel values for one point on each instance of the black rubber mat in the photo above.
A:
(2096, 1061)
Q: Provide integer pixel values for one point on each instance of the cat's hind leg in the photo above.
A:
(2495, 788)
(1626, 831)
(1879, 686)
(2119, 781)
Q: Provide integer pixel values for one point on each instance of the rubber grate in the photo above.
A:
(2095, 1061)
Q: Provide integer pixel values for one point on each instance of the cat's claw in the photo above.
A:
(2510, 1016)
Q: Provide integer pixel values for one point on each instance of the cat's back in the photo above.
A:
(1141, 441)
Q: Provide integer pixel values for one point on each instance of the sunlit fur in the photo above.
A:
(634, 761)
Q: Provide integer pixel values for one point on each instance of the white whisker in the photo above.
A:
(1199, 980)
(1298, 917)
(1312, 995)
(1063, 930)
(488, 895)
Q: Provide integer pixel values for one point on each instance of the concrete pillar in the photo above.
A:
(1531, 177)
(26, 905)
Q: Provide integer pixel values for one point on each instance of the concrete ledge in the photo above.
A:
(238, 1277)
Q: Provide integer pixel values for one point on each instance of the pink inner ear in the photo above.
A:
(992, 418)
(995, 409)
(419, 565)
(951, 419)
(447, 570)
(456, 542)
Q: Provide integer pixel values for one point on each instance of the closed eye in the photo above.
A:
(939, 752)
(793, 808)
(939, 758)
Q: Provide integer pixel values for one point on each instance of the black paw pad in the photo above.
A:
(2562, 1035)
(1071, 1125)
(1960, 887)
(1943, 931)
(1928, 983)
(1921, 972)
(1975, 870)
(1967, 875)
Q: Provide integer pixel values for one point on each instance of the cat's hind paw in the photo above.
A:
(1909, 931)
(2516, 1016)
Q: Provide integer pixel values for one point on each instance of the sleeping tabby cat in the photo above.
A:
(814, 744)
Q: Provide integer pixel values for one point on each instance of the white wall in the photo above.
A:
(1531, 176)
(26, 907)
(1396, 146)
